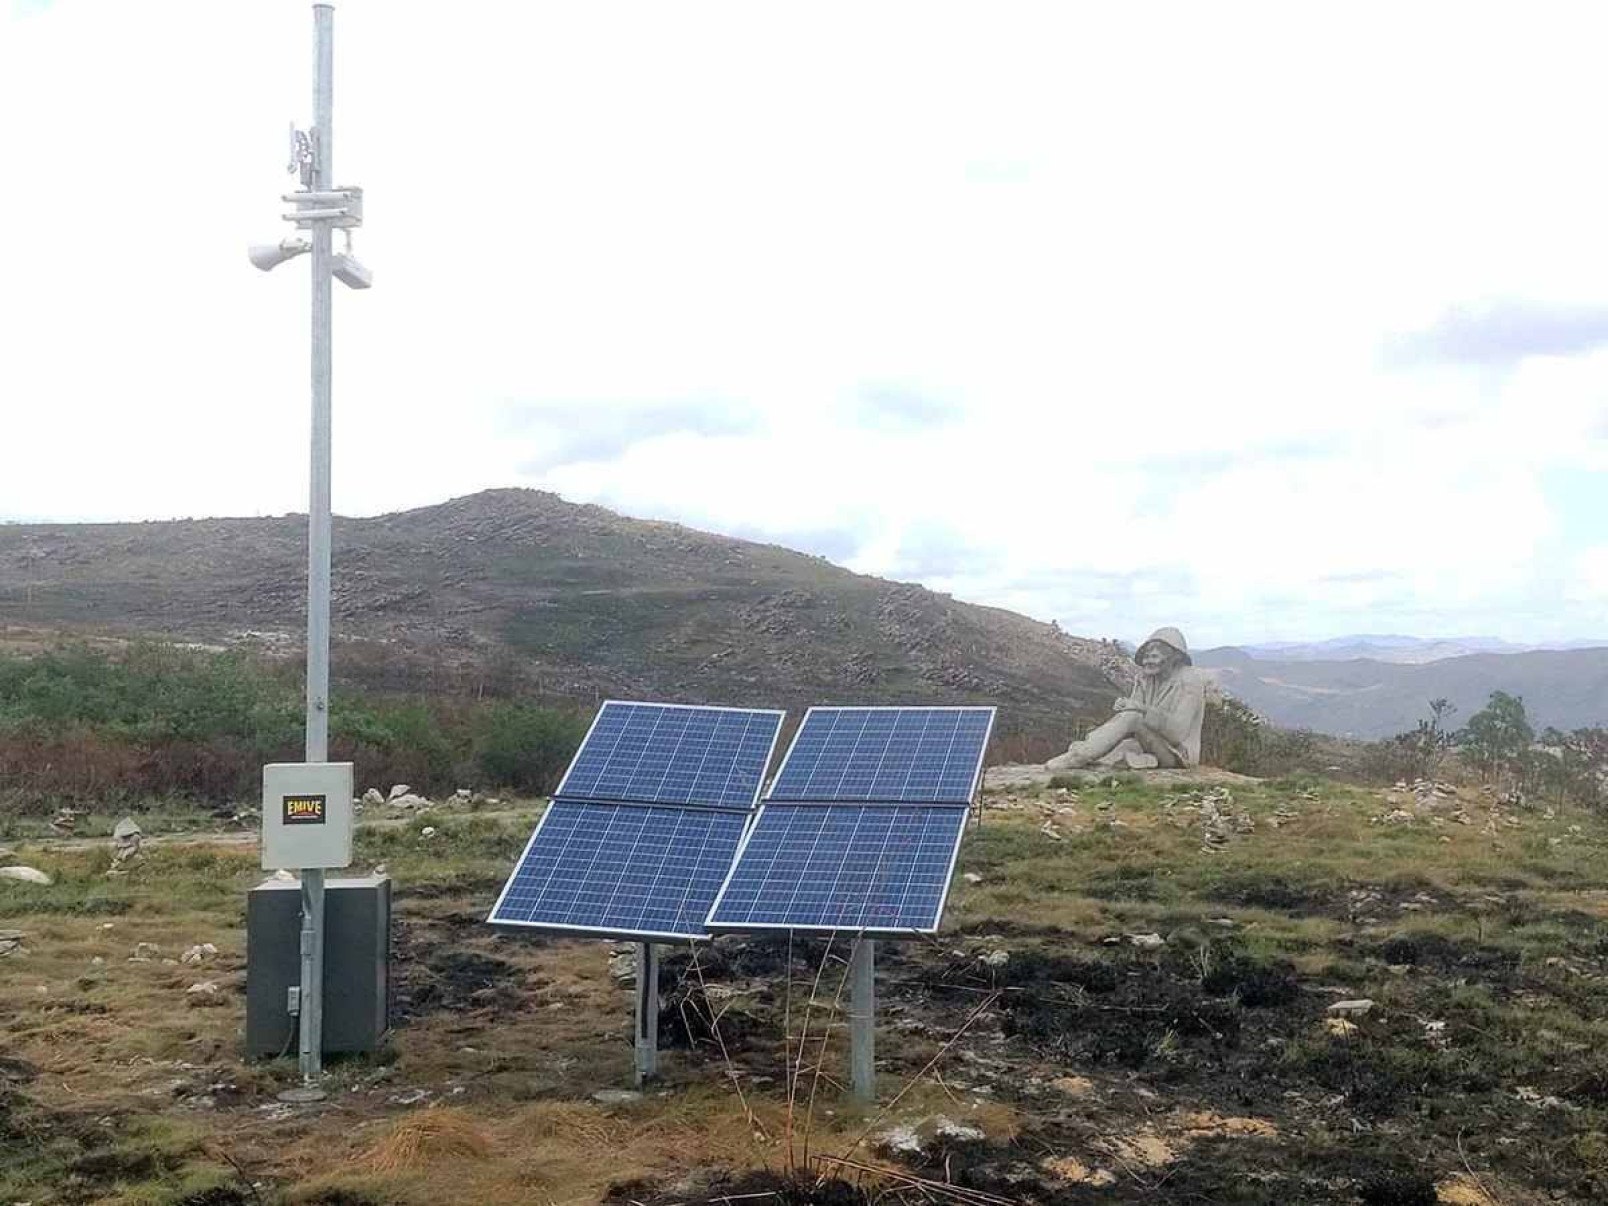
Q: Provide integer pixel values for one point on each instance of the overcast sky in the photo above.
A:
(1269, 321)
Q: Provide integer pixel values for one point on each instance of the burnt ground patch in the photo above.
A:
(1260, 891)
(431, 976)
(769, 1188)
(1130, 1009)
(1440, 953)
(695, 1016)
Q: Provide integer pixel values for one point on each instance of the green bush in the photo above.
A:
(527, 748)
(78, 725)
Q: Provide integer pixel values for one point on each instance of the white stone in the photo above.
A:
(400, 790)
(373, 796)
(27, 875)
(949, 1129)
(206, 988)
(995, 958)
(1351, 1009)
(899, 1141)
(1147, 942)
(972, 877)
(199, 953)
(429, 831)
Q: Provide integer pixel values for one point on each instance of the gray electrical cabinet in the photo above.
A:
(357, 964)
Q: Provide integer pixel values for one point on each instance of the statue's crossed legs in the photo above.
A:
(1124, 740)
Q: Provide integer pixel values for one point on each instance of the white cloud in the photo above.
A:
(1100, 299)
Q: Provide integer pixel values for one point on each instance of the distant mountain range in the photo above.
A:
(1403, 649)
(1367, 697)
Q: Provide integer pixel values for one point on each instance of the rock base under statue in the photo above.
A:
(1033, 774)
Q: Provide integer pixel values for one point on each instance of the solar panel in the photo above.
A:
(842, 867)
(622, 870)
(673, 754)
(885, 755)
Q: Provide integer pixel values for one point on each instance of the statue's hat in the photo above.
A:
(1174, 640)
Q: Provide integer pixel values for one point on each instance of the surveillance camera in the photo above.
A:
(268, 256)
(350, 272)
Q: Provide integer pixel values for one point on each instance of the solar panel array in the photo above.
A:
(645, 823)
(669, 754)
(862, 826)
(885, 755)
(648, 835)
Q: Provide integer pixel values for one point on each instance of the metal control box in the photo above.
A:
(306, 815)
(357, 974)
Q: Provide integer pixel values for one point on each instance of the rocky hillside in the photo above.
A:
(516, 591)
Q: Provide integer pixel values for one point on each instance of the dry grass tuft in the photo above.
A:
(424, 1136)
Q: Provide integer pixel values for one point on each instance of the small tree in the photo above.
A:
(1498, 738)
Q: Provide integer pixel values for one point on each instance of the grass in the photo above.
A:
(1484, 947)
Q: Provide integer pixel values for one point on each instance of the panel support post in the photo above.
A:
(647, 1013)
(862, 1021)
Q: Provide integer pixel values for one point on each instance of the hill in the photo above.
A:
(1371, 699)
(520, 592)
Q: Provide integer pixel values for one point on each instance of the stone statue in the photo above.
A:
(1157, 725)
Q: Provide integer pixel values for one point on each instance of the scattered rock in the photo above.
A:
(144, 952)
(199, 953)
(1350, 1009)
(27, 875)
(462, 796)
(1204, 1124)
(972, 877)
(202, 988)
(622, 966)
(956, 1132)
(898, 1141)
(995, 958)
(126, 840)
(616, 1096)
(1074, 1086)
(1144, 1149)
(1462, 1190)
(1070, 1168)
(429, 831)
(1147, 942)
(409, 800)
(373, 797)
(398, 791)
(11, 943)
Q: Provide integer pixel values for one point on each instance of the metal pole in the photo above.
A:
(862, 1021)
(647, 1013)
(318, 537)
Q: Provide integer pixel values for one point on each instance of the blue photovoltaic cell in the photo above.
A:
(663, 754)
(885, 755)
(842, 867)
(622, 869)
